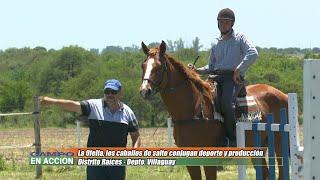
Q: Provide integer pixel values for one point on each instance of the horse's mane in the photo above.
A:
(194, 77)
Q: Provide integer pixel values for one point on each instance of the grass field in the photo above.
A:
(14, 163)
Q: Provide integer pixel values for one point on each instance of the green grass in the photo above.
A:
(15, 160)
(133, 173)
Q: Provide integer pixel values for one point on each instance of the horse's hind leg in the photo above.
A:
(194, 172)
(211, 172)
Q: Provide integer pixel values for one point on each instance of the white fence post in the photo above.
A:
(295, 148)
(170, 132)
(311, 119)
(241, 142)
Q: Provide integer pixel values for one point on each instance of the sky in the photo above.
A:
(100, 23)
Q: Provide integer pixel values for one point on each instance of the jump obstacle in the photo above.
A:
(305, 160)
(270, 127)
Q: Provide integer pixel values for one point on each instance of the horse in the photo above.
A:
(190, 103)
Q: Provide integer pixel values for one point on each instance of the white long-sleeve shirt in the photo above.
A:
(235, 52)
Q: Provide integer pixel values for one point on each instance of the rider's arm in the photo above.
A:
(69, 105)
(250, 52)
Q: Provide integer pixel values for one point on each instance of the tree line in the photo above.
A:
(76, 73)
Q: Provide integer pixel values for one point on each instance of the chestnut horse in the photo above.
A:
(189, 101)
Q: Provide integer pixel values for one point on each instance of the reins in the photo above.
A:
(163, 89)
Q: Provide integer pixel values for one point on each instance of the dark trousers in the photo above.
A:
(227, 92)
(106, 172)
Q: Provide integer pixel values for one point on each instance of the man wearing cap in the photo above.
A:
(230, 57)
(110, 121)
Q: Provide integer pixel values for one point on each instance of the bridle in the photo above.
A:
(157, 85)
(158, 88)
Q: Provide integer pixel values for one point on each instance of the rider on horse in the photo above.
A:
(230, 57)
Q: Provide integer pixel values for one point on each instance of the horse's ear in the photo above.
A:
(144, 48)
(163, 48)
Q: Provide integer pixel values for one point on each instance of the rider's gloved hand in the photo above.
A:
(236, 76)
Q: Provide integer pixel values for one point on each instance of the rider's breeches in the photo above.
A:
(228, 88)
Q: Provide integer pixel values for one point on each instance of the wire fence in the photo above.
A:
(17, 144)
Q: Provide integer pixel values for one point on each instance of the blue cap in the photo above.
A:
(112, 84)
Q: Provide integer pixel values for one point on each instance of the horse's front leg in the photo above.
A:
(211, 172)
(195, 172)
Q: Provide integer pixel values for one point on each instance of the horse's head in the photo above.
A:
(154, 68)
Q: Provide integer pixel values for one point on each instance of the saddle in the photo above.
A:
(246, 108)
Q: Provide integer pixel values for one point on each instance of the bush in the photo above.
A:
(2, 163)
